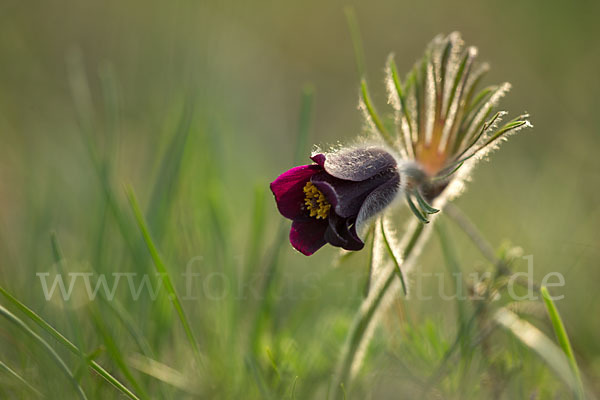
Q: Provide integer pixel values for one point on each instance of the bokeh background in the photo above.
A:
(234, 72)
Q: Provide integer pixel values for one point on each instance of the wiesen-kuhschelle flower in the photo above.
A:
(442, 126)
(331, 200)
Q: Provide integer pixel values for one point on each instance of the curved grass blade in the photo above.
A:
(60, 261)
(371, 115)
(563, 338)
(160, 267)
(397, 262)
(370, 236)
(533, 338)
(65, 342)
(18, 377)
(100, 325)
(115, 353)
(53, 354)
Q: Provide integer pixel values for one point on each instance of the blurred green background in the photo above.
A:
(239, 67)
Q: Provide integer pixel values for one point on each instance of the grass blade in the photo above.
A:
(18, 377)
(65, 342)
(359, 53)
(170, 169)
(366, 105)
(160, 267)
(115, 353)
(347, 362)
(533, 338)
(563, 338)
(53, 354)
(396, 260)
(452, 264)
(306, 113)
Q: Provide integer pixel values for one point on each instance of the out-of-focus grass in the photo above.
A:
(196, 105)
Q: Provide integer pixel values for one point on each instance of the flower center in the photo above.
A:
(315, 201)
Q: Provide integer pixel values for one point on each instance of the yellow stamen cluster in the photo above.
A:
(315, 201)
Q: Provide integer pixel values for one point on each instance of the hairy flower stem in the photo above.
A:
(413, 240)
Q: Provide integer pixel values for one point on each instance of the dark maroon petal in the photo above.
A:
(319, 159)
(379, 199)
(340, 233)
(308, 236)
(288, 192)
(356, 164)
(347, 197)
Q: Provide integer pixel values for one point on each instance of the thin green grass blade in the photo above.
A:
(304, 123)
(125, 317)
(270, 270)
(59, 260)
(165, 186)
(251, 365)
(397, 262)
(453, 266)
(82, 100)
(371, 114)
(359, 53)
(370, 236)
(160, 267)
(65, 342)
(535, 339)
(563, 338)
(53, 354)
(114, 352)
(10, 371)
(110, 95)
(100, 325)
(367, 311)
(257, 230)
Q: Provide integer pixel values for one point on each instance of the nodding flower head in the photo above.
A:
(331, 200)
(441, 127)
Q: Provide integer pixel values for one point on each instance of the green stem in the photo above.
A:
(365, 315)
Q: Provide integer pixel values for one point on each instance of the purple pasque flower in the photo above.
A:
(330, 201)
